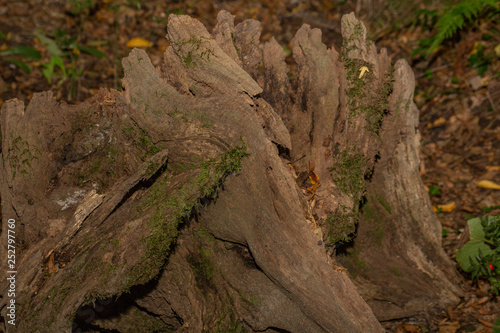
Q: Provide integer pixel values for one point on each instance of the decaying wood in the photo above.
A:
(197, 198)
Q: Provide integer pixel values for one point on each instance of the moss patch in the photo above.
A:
(169, 207)
(21, 155)
(203, 268)
(341, 226)
(349, 170)
(376, 215)
(191, 51)
(365, 95)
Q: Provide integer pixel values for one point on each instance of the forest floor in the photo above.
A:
(457, 92)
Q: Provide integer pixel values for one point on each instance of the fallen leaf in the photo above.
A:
(488, 184)
(314, 187)
(438, 122)
(138, 42)
(363, 70)
(492, 167)
(313, 177)
(449, 327)
(447, 208)
(485, 323)
(292, 169)
(50, 265)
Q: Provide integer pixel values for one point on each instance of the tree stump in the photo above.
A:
(222, 192)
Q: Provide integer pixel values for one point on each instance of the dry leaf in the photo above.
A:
(485, 323)
(488, 184)
(492, 168)
(314, 187)
(438, 122)
(449, 327)
(138, 42)
(445, 208)
(50, 265)
(294, 174)
(313, 177)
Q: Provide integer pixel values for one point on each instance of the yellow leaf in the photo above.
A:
(363, 70)
(313, 177)
(314, 187)
(138, 42)
(497, 50)
(488, 184)
(492, 167)
(445, 208)
(438, 122)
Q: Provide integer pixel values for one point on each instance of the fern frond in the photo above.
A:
(453, 19)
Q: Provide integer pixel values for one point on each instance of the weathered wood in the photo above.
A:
(190, 199)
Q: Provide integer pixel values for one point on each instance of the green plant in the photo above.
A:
(488, 209)
(480, 256)
(80, 6)
(23, 52)
(65, 50)
(479, 61)
(434, 190)
(451, 20)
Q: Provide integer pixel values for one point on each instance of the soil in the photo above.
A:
(459, 100)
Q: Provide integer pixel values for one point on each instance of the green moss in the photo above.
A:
(238, 51)
(251, 300)
(376, 215)
(174, 112)
(349, 171)
(170, 206)
(141, 140)
(228, 321)
(341, 226)
(21, 155)
(359, 264)
(205, 235)
(189, 51)
(365, 95)
(384, 204)
(192, 116)
(203, 268)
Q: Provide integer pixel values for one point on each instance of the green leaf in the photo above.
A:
(496, 326)
(48, 71)
(453, 19)
(434, 190)
(20, 64)
(476, 229)
(467, 254)
(91, 51)
(25, 51)
(97, 43)
(50, 45)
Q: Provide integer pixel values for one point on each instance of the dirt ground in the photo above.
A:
(457, 91)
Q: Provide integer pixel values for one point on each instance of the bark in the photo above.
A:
(202, 196)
